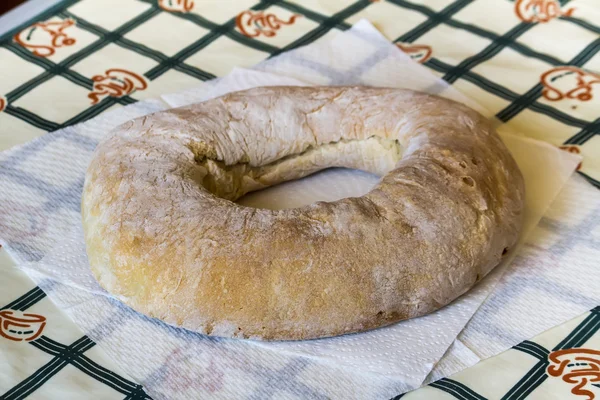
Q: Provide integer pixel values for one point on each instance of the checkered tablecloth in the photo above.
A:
(562, 363)
(44, 355)
(523, 60)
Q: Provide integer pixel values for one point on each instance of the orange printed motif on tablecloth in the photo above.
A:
(19, 326)
(183, 6)
(540, 10)
(116, 82)
(43, 38)
(576, 366)
(256, 23)
(418, 52)
(571, 148)
(568, 83)
(3, 103)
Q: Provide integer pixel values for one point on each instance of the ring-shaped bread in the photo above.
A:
(163, 233)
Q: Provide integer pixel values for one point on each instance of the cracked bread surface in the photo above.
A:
(164, 235)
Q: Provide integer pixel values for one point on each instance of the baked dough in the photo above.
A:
(164, 235)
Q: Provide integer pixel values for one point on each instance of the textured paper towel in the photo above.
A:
(335, 184)
(372, 364)
(553, 279)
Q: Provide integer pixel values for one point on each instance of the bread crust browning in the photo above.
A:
(163, 233)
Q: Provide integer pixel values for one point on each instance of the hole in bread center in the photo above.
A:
(328, 185)
(329, 172)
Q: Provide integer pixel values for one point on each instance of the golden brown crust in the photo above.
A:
(450, 203)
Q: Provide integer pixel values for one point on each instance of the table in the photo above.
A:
(513, 60)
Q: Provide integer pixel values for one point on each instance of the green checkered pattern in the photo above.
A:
(577, 338)
(446, 16)
(433, 18)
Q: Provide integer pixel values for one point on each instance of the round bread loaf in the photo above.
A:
(164, 235)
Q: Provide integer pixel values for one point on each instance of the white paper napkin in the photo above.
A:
(374, 364)
(553, 279)
(389, 350)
